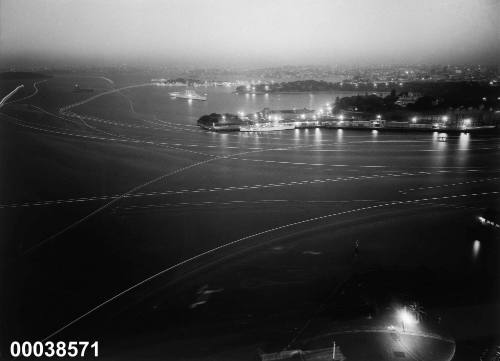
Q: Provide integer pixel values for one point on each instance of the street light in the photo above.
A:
(406, 317)
(445, 118)
(414, 119)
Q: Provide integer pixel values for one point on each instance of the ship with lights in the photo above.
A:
(266, 127)
(189, 95)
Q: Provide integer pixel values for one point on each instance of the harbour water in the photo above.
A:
(239, 238)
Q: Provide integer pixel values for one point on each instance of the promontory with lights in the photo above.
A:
(416, 106)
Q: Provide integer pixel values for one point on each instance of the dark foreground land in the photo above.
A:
(92, 207)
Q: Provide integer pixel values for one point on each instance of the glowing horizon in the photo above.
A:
(251, 33)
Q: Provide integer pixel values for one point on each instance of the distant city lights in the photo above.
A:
(486, 222)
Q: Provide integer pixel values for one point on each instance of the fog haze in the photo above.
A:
(250, 33)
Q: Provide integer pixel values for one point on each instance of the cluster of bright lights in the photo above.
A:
(406, 317)
(484, 221)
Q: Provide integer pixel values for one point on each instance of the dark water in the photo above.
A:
(286, 207)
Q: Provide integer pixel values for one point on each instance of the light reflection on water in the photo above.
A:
(476, 247)
(297, 136)
(462, 153)
(223, 140)
(439, 148)
(464, 140)
(317, 135)
(441, 140)
(340, 135)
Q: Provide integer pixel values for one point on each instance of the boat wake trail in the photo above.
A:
(420, 201)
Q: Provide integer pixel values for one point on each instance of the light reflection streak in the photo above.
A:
(476, 247)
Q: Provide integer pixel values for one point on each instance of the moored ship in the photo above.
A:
(266, 127)
(188, 94)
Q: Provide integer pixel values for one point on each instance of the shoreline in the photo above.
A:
(236, 128)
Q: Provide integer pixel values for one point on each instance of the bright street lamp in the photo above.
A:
(406, 317)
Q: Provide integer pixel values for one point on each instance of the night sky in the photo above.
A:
(250, 32)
